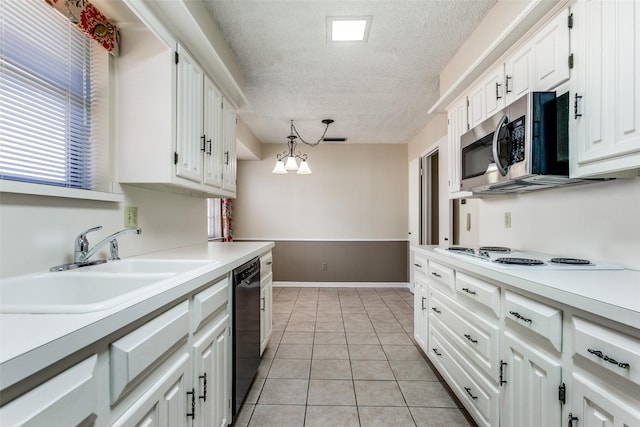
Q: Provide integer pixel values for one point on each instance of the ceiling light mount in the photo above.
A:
(348, 28)
(291, 154)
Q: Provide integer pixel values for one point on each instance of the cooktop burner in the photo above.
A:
(460, 249)
(519, 261)
(500, 249)
(571, 261)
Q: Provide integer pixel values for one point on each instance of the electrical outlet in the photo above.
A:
(131, 216)
(324, 266)
(507, 220)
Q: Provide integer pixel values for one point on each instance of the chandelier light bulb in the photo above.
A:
(279, 168)
(291, 164)
(304, 168)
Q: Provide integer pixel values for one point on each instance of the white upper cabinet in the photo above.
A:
(605, 121)
(229, 161)
(494, 92)
(457, 125)
(213, 134)
(518, 73)
(551, 52)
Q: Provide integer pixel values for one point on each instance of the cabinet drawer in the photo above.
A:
(479, 397)
(69, 398)
(444, 275)
(209, 301)
(482, 292)
(420, 265)
(539, 318)
(478, 339)
(609, 349)
(132, 355)
(265, 280)
(266, 264)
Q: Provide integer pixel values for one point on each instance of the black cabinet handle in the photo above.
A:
(497, 94)
(603, 356)
(575, 106)
(571, 420)
(203, 138)
(226, 158)
(502, 380)
(269, 262)
(469, 291)
(468, 337)
(506, 84)
(192, 414)
(435, 350)
(423, 299)
(519, 316)
(209, 150)
(468, 390)
(263, 304)
(436, 274)
(418, 265)
(203, 396)
(436, 310)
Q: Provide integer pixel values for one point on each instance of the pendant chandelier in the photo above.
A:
(291, 154)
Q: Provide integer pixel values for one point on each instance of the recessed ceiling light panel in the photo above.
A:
(348, 29)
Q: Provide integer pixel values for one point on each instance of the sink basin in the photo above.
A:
(72, 292)
(147, 266)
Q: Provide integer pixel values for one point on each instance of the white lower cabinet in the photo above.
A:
(420, 313)
(266, 300)
(69, 398)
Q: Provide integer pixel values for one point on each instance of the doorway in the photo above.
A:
(429, 199)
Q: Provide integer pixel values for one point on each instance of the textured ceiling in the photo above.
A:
(377, 92)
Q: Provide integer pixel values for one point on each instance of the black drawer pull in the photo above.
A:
(601, 355)
(467, 336)
(436, 274)
(469, 291)
(436, 310)
(418, 265)
(435, 350)
(519, 316)
(203, 396)
(192, 414)
(423, 299)
(468, 390)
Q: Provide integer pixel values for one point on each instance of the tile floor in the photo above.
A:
(345, 357)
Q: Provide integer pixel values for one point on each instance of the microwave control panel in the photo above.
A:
(517, 140)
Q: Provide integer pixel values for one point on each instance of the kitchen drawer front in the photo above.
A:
(265, 280)
(481, 292)
(133, 355)
(208, 302)
(266, 264)
(420, 265)
(539, 318)
(479, 397)
(444, 275)
(477, 338)
(608, 349)
(69, 399)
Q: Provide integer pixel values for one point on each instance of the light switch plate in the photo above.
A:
(130, 216)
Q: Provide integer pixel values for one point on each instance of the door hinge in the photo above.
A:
(562, 393)
(571, 61)
(570, 20)
(177, 57)
(175, 158)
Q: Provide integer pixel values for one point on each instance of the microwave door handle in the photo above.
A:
(503, 122)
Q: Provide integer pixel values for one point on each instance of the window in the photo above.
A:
(52, 81)
(214, 218)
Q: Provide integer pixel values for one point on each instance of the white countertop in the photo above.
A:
(30, 342)
(614, 294)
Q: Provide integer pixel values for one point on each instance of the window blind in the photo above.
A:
(52, 79)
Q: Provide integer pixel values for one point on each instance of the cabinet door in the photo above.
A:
(551, 53)
(494, 93)
(595, 407)
(190, 140)
(213, 134)
(166, 403)
(530, 396)
(211, 376)
(518, 73)
(457, 126)
(229, 148)
(606, 121)
(421, 315)
(266, 313)
(476, 106)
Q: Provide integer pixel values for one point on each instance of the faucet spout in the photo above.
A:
(112, 243)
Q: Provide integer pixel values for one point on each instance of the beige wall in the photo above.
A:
(356, 192)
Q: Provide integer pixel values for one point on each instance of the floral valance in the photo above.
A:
(91, 21)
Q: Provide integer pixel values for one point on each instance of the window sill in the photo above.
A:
(53, 191)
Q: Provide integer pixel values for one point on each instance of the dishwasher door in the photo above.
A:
(246, 329)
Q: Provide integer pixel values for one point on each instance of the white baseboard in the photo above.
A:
(342, 284)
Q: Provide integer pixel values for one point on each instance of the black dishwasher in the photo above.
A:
(246, 329)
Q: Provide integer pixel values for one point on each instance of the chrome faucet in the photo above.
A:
(82, 253)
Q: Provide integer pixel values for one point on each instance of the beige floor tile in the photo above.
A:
(366, 352)
(382, 317)
(279, 325)
(385, 417)
(331, 326)
(371, 370)
(412, 370)
(438, 417)
(323, 316)
(358, 326)
(284, 392)
(282, 306)
(243, 417)
(330, 351)
(294, 351)
(331, 392)
(387, 327)
(297, 338)
(280, 316)
(254, 391)
(352, 317)
(402, 352)
(263, 368)
(301, 326)
(426, 393)
(302, 317)
(353, 309)
(330, 338)
(278, 416)
(362, 338)
(290, 368)
(394, 338)
(378, 393)
(270, 351)
(332, 416)
(324, 369)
